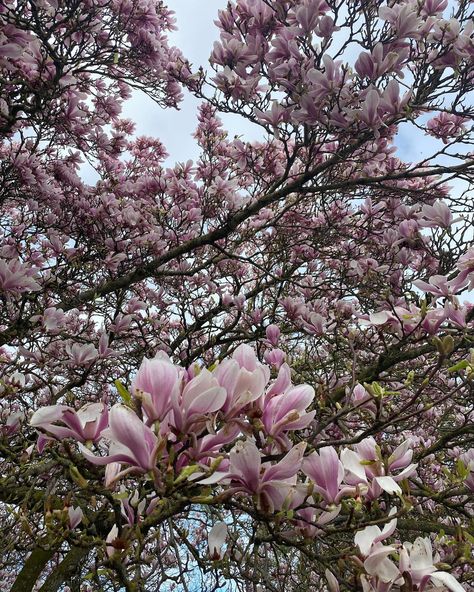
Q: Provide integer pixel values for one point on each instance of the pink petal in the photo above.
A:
(288, 466)
(245, 461)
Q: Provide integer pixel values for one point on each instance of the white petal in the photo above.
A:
(365, 538)
(388, 484)
(216, 539)
(448, 580)
(352, 464)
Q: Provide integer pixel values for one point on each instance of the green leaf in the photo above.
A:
(185, 473)
(459, 366)
(123, 392)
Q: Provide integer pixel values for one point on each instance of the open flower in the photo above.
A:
(287, 411)
(366, 466)
(417, 560)
(84, 425)
(131, 442)
(271, 483)
(377, 563)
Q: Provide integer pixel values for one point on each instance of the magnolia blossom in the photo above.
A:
(131, 442)
(376, 555)
(201, 396)
(17, 278)
(310, 519)
(365, 465)
(273, 335)
(111, 541)
(156, 385)
(75, 516)
(287, 411)
(243, 377)
(271, 483)
(438, 285)
(438, 214)
(216, 539)
(11, 425)
(327, 472)
(132, 507)
(84, 425)
(417, 560)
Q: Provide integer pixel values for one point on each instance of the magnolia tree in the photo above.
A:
(251, 371)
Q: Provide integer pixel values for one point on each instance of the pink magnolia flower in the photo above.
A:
(53, 319)
(446, 126)
(376, 555)
(437, 215)
(433, 320)
(273, 335)
(438, 285)
(465, 265)
(281, 384)
(309, 519)
(287, 411)
(455, 314)
(417, 560)
(201, 396)
(82, 354)
(131, 442)
(271, 483)
(275, 357)
(75, 516)
(111, 540)
(85, 425)
(132, 509)
(216, 539)
(276, 115)
(208, 447)
(379, 61)
(156, 385)
(17, 278)
(361, 398)
(12, 423)
(366, 466)
(326, 471)
(243, 377)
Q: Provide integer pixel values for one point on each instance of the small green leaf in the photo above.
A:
(123, 392)
(459, 366)
(185, 473)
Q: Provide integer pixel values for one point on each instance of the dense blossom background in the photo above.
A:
(238, 357)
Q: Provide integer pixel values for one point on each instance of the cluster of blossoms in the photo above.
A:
(219, 428)
(415, 563)
(192, 416)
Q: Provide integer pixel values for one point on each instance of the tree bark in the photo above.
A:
(65, 570)
(32, 569)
